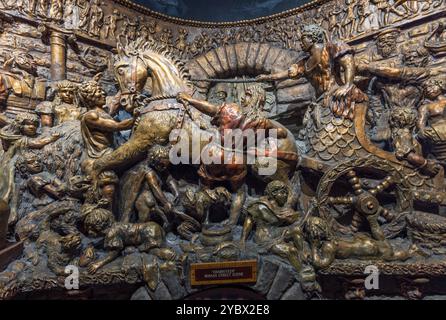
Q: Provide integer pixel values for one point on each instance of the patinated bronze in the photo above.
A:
(109, 114)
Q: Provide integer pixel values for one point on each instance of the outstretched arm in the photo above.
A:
(95, 266)
(39, 143)
(93, 119)
(203, 106)
(294, 72)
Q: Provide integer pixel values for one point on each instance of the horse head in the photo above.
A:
(136, 62)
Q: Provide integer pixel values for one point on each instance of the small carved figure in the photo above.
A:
(248, 116)
(22, 134)
(317, 68)
(69, 14)
(84, 14)
(348, 23)
(431, 121)
(403, 122)
(325, 247)
(181, 43)
(275, 223)
(62, 251)
(166, 37)
(62, 109)
(152, 202)
(118, 235)
(42, 8)
(20, 85)
(333, 24)
(386, 43)
(385, 8)
(111, 24)
(363, 13)
(197, 205)
(97, 125)
(56, 10)
(30, 167)
(96, 19)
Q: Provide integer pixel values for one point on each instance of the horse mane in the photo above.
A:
(143, 47)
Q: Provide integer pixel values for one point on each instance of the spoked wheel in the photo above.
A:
(365, 194)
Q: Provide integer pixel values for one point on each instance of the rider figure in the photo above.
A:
(231, 116)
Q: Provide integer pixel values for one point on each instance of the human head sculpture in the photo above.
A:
(311, 34)
(434, 87)
(221, 92)
(158, 157)
(254, 97)
(91, 94)
(29, 163)
(22, 61)
(277, 191)
(386, 42)
(316, 228)
(414, 55)
(403, 118)
(66, 91)
(71, 243)
(97, 221)
(26, 124)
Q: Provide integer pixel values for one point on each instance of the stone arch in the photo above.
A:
(250, 58)
(244, 58)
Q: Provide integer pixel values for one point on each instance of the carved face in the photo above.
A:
(280, 196)
(432, 91)
(306, 42)
(27, 63)
(108, 191)
(29, 128)
(247, 99)
(413, 58)
(66, 95)
(33, 164)
(386, 45)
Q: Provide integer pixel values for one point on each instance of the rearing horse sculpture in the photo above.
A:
(161, 113)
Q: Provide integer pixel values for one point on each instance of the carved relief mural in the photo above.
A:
(100, 100)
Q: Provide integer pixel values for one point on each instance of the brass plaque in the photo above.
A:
(223, 272)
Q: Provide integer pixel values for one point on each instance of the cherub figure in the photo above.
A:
(38, 187)
(22, 133)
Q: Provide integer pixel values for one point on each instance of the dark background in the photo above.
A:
(220, 10)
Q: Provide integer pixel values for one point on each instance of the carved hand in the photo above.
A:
(92, 268)
(264, 78)
(183, 96)
(56, 136)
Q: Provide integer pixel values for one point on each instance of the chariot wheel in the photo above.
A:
(365, 194)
